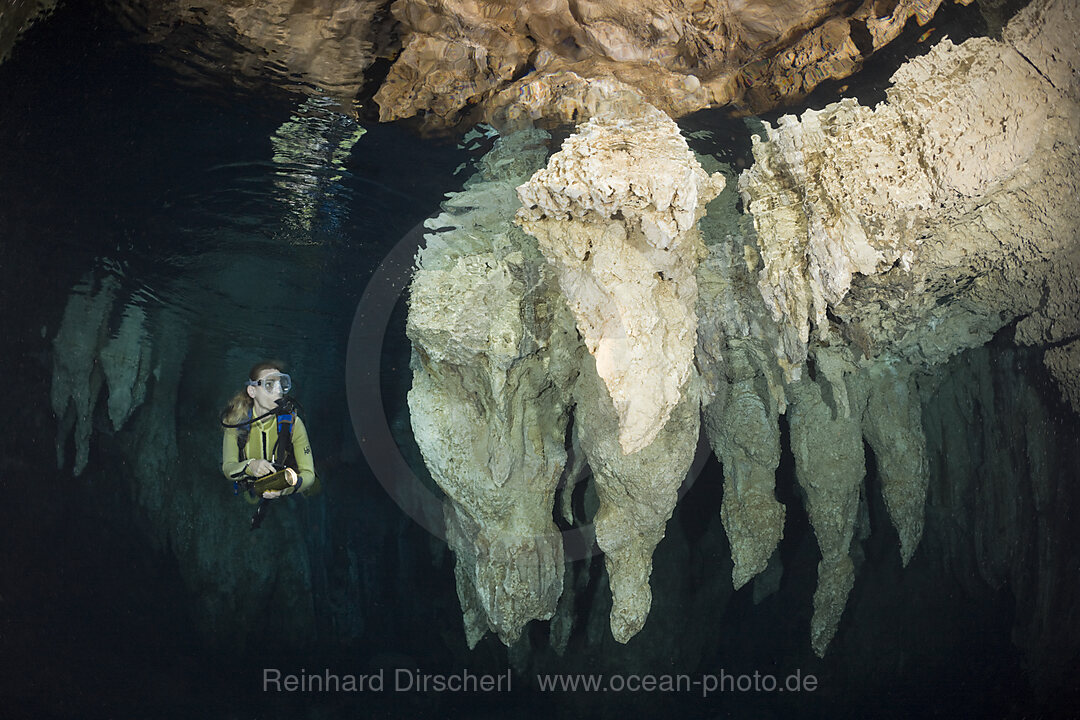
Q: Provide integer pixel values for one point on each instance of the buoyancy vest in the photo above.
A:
(282, 452)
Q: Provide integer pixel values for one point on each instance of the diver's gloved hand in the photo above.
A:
(291, 476)
(259, 467)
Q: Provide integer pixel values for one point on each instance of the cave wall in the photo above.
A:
(876, 243)
(16, 17)
(1003, 494)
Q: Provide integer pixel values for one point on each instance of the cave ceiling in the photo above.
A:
(449, 63)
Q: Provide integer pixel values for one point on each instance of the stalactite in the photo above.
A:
(830, 466)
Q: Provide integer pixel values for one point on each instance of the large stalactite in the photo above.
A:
(883, 242)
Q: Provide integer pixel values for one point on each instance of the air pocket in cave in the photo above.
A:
(861, 37)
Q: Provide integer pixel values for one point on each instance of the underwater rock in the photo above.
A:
(16, 17)
(637, 491)
(1064, 364)
(319, 47)
(495, 374)
(829, 466)
(486, 408)
(916, 229)
(126, 361)
(680, 56)
(615, 213)
(892, 425)
(768, 580)
(743, 427)
(743, 392)
(77, 375)
(87, 357)
(562, 623)
(884, 242)
(173, 483)
(1001, 511)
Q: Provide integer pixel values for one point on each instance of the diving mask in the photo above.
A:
(274, 382)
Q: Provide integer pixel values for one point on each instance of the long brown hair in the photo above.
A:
(236, 411)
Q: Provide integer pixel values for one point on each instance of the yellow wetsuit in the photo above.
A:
(260, 444)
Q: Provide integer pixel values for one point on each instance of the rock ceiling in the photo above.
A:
(451, 61)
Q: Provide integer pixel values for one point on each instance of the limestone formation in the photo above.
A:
(320, 48)
(889, 239)
(681, 56)
(832, 50)
(77, 377)
(637, 492)
(126, 360)
(498, 363)
(16, 16)
(1064, 364)
(486, 408)
(742, 425)
(89, 356)
(615, 212)
(877, 244)
(452, 60)
(913, 229)
(864, 223)
(1003, 498)
(829, 465)
(132, 356)
(892, 425)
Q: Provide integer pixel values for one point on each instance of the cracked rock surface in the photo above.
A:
(455, 60)
(486, 406)
(879, 242)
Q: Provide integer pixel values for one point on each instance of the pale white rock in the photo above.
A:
(934, 201)
(637, 492)
(614, 212)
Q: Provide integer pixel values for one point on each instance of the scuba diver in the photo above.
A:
(265, 451)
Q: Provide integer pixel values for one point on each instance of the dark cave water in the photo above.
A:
(203, 204)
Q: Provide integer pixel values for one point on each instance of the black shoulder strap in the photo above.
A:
(283, 448)
(242, 434)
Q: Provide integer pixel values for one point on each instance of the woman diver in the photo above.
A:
(264, 435)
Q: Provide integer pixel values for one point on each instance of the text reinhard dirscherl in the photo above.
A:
(402, 680)
(409, 680)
